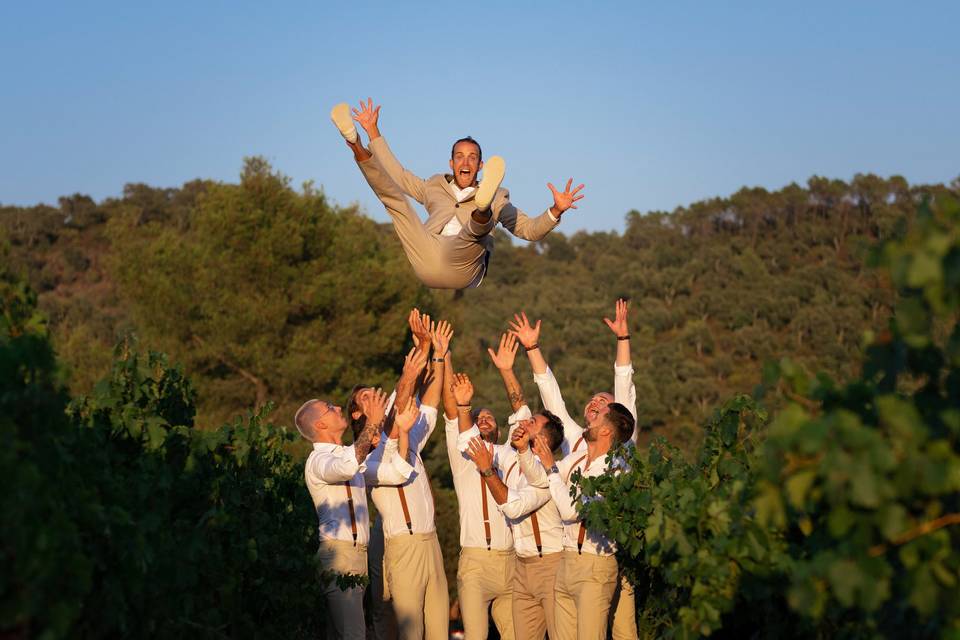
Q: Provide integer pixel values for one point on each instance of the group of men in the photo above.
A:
(526, 556)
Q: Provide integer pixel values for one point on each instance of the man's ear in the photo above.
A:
(480, 166)
(451, 165)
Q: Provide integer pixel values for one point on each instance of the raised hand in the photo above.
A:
(419, 326)
(462, 388)
(519, 438)
(414, 363)
(563, 200)
(374, 407)
(541, 447)
(404, 420)
(481, 456)
(528, 334)
(506, 352)
(619, 324)
(440, 336)
(367, 116)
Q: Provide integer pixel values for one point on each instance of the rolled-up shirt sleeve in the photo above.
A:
(523, 413)
(526, 500)
(337, 467)
(553, 402)
(560, 492)
(423, 427)
(532, 469)
(625, 392)
(388, 468)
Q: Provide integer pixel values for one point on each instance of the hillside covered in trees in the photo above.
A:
(802, 524)
(266, 292)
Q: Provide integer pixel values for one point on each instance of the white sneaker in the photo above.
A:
(493, 172)
(340, 114)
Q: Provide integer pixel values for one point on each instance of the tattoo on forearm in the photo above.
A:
(364, 441)
(515, 393)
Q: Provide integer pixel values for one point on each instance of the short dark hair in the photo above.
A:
(467, 139)
(356, 425)
(622, 421)
(553, 429)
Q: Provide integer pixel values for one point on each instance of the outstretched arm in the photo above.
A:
(523, 226)
(529, 336)
(369, 116)
(503, 360)
(624, 390)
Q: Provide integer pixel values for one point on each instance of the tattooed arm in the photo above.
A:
(503, 360)
(374, 408)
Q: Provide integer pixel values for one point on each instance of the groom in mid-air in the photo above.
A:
(451, 250)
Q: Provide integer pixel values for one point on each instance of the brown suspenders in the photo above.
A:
(583, 529)
(353, 515)
(406, 511)
(486, 512)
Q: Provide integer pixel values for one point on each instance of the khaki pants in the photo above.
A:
(383, 621)
(413, 567)
(440, 262)
(624, 612)
(534, 597)
(345, 621)
(585, 586)
(485, 577)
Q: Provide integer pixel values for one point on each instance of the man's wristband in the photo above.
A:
(463, 406)
(532, 348)
(626, 337)
(438, 359)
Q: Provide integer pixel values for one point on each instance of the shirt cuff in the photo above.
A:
(390, 446)
(552, 217)
(463, 440)
(523, 413)
(428, 412)
(401, 465)
(543, 377)
(350, 457)
(623, 369)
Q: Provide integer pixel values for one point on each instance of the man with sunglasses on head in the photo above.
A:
(336, 477)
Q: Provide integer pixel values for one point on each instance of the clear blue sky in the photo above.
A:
(652, 105)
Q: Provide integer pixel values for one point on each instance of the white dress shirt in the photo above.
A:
(524, 499)
(559, 485)
(470, 488)
(329, 466)
(416, 490)
(624, 392)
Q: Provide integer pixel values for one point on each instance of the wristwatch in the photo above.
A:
(553, 469)
(487, 473)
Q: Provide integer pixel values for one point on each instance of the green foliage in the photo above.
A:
(864, 478)
(840, 519)
(687, 533)
(124, 520)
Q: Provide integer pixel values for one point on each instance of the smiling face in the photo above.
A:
(487, 424)
(465, 163)
(597, 407)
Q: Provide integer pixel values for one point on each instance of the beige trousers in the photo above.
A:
(345, 621)
(383, 621)
(534, 596)
(624, 612)
(413, 567)
(485, 577)
(585, 586)
(440, 262)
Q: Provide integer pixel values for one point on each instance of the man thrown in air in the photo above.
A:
(451, 250)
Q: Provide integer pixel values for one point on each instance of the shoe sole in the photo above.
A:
(493, 171)
(340, 114)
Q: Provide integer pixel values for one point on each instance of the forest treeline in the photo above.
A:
(266, 292)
